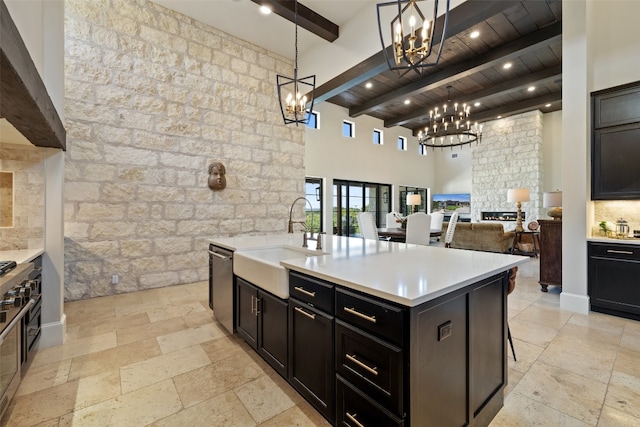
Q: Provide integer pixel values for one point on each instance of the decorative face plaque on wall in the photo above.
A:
(217, 180)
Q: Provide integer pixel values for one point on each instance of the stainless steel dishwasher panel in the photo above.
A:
(221, 285)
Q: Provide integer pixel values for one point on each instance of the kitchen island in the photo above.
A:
(381, 333)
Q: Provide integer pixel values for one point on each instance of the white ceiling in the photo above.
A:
(242, 19)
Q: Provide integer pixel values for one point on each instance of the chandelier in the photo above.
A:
(450, 126)
(294, 105)
(411, 35)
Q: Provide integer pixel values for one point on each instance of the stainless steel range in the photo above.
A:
(15, 290)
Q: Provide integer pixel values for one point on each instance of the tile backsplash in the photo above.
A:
(613, 210)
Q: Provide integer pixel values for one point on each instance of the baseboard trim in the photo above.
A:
(53, 333)
(574, 302)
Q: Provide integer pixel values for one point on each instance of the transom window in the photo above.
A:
(377, 137)
(402, 143)
(348, 129)
(313, 120)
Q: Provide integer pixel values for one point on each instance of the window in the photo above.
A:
(313, 193)
(402, 143)
(348, 129)
(313, 120)
(422, 149)
(377, 137)
(352, 197)
(423, 192)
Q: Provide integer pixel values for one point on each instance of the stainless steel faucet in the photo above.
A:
(291, 222)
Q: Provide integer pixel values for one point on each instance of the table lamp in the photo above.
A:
(414, 200)
(518, 195)
(553, 200)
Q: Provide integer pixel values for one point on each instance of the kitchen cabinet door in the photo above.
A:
(272, 327)
(311, 366)
(246, 320)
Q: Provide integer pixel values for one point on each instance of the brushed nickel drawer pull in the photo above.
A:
(353, 311)
(309, 315)
(304, 291)
(612, 251)
(352, 418)
(374, 370)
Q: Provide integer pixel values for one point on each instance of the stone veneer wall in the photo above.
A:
(509, 156)
(613, 210)
(27, 164)
(152, 97)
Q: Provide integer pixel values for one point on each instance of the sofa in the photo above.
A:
(481, 236)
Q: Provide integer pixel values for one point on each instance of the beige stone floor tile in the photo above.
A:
(150, 330)
(293, 416)
(545, 316)
(171, 311)
(75, 348)
(513, 378)
(611, 324)
(628, 362)
(588, 338)
(54, 422)
(159, 368)
(624, 393)
(521, 411)
(44, 376)
(263, 399)
(71, 333)
(533, 333)
(200, 318)
(217, 378)
(98, 327)
(610, 417)
(225, 347)
(526, 355)
(104, 315)
(97, 388)
(191, 336)
(575, 395)
(138, 408)
(631, 337)
(223, 410)
(113, 358)
(145, 306)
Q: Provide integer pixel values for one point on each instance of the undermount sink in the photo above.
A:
(262, 267)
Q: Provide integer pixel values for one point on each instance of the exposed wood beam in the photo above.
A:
(461, 18)
(516, 108)
(24, 100)
(307, 18)
(511, 50)
(500, 89)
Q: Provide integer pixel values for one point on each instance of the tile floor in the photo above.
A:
(156, 358)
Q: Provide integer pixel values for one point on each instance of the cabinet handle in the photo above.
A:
(258, 307)
(309, 315)
(353, 311)
(373, 370)
(352, 418)
(253, 308)
(304, 291)
(613, 251)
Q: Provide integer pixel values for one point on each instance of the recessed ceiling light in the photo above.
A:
(507, 65)
(499, 117)
(369, 85)
(407, 101)
(265, 9)
(474, 34)
(531, 88)
(547, 105)
(477, 104)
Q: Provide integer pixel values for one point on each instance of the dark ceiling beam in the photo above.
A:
(461, 18)
(24, 100)
(517, 108)
(307, 18)
(504, 88)
(493, 57)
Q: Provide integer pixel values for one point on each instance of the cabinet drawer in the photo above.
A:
(354, 409)
(370, 364)
(630, 252)
(378, 318)
(312, 291)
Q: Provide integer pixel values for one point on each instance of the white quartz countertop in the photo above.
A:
(21, 255)
(406, 274)
(627, 241)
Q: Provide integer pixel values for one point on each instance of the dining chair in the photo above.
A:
(391, 220)
(419, 228)
(437, 218)
(367, 224)
(451, 229)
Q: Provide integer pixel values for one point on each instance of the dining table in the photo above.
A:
(400, 234)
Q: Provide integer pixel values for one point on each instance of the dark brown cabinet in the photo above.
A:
(262, 321)
(550, 253)
(614, 287)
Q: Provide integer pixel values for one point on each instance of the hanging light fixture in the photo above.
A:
(450, 126)
(293, 104)
(411, 35)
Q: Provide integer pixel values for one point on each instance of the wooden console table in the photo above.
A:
(517, 240)
(550, 253)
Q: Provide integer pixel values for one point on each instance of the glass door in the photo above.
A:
(350, 198)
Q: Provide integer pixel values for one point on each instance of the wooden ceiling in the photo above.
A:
(527, 34)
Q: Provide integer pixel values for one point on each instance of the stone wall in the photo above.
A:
(509, 156)
(27, 164)
(152, 98)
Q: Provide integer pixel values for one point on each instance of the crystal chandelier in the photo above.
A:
(411, 35)
(294, 105)
(450, 126)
